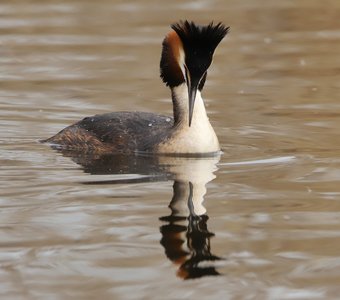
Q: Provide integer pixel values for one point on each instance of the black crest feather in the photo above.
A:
(193, 35)
(199, 43)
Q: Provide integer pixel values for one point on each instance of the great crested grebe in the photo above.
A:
(186, 56)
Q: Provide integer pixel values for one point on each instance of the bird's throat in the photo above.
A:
(200, 137)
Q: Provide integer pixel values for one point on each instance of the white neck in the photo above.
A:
(181, 105)
(200, 137)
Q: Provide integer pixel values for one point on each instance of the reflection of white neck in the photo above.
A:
(197, 171)
(200, 137)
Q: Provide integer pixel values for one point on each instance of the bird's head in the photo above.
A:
(187, 54)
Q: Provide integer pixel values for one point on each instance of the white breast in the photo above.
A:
(200, 137)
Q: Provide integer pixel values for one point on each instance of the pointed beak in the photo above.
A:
(192, 90)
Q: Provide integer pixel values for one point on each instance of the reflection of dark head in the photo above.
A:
(186, 241)
(199, 240)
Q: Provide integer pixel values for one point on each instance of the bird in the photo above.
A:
(187, 53)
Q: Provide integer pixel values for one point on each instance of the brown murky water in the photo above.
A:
(84, 228)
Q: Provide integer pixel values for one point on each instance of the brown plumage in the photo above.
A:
(120, 132)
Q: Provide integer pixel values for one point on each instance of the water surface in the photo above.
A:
(84, 228)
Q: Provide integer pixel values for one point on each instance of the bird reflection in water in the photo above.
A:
(185, 234)
(185, 237)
